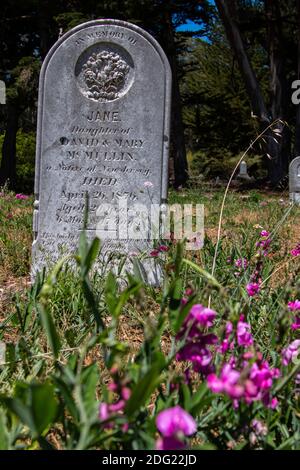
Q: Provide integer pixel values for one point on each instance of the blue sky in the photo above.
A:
(190, 26)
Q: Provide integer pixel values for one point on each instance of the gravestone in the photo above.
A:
(294, 180)
(243, 173)
(2, 92)
(103, 132)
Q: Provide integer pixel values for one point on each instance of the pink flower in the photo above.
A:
(148, 184)
(226, 344)
(189, 291)
(200, 316)
(264, 233)
(241, 263)
(290, 352)
(169, 443)
(251, 384)
(227, 383)
(228, 328)
(154, 253)
(163, 248)
(294, 306)
(125, 393)
(262, 375)
(259, 427)
(21, 196)
(200, 357)
(273, 404)
(296, 324)
(104, 415)
(253, 288)
(243, 333)
(296, 250)
(174, 421)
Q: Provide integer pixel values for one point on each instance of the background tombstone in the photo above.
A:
(103, 130)
(294, 180)
(243, 173)
(2, 92)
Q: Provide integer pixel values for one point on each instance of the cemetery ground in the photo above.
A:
(90, 365)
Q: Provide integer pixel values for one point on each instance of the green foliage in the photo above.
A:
(58, 368)
(25, 151)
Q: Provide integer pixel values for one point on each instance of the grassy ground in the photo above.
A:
(246, 214)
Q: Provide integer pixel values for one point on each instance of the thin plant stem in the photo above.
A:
(225, 196)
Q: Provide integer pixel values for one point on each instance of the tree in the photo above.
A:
(20, 95)
(277, 148)
(38, 23)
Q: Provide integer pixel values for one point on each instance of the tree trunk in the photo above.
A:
(44, 20)
(8, 162)
(280, 152)
(227, 12)
(177, 130)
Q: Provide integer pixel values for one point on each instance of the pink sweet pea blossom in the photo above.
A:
(154, 253)
(296, 251)
(294, 306)
(296, 324)
(250, 384)
(264, 233)
(174, 421)
(253, 289)
(243, 333)
(199, 316)
(169, 443)
(21, 196)
(290, 352)
(227, 383)
(163, 248)
(241, 263)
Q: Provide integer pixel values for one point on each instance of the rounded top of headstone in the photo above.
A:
(111, 58)
(294, 163)
(294, 175)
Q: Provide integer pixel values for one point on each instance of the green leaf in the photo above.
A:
(43, 405)
(4, 435)
(92, 254)
(111, 292)
(178, 258)
(175, 294)
(66, 392)
(211, 279)
(182, 314)
(50, 330)
(35, 406)
(198, 400)
(89, 379)
(139, 270)
(114, 301)
(143, 389)
(83, 247)
(16, 406)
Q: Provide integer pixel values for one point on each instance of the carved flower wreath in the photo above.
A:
(104, 74)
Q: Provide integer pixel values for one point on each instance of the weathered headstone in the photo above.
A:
(243, 173)
(294, 180)
(2, 92)
(103, 130)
